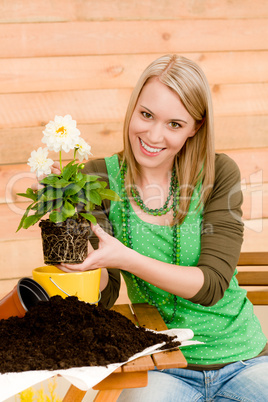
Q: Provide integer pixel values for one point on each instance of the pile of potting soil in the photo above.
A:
(63, 333)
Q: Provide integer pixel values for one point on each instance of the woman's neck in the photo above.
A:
(151, 177)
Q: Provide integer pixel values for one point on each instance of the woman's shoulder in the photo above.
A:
(225, 166)
(99, 165)
(227, 178)
(95, 166)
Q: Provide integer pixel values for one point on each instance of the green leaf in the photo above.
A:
(29, 194)
(51, 194)
(31, 220)
(43, 207)
(51, 179)
(74, 188)
(25, 216)
(103, 184)
(40, 192)
(56, 217)
(68, 209)
(91, 177)
(89, 206)
(74, 199)
(93, 186)
(62, 183)
(94, 197)
(79, 176)
(89, 217)
(69, 170)
(83, 200)
(58, 203)
(109, 195)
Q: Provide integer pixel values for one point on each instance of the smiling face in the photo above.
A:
(159, 127)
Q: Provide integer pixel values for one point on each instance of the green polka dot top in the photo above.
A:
(229, 329)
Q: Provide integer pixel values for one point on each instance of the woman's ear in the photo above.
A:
(199, 125)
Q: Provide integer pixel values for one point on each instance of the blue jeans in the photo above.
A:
(245, 381)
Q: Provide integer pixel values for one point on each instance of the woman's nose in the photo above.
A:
(156, 133)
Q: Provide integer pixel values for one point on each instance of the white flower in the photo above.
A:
(83, 149)
(61, 134)
(39, 162)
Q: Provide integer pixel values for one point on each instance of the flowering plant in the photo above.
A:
(70, 193)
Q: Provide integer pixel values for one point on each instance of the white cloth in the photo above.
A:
(83, 378)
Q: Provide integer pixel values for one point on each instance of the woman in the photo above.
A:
(177, 236)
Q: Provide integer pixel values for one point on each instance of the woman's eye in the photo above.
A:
(173, 124)
(146, 115)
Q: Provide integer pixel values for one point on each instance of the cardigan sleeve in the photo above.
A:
(110, 294)
(222, 232)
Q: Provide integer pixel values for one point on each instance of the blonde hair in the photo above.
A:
(195, 161)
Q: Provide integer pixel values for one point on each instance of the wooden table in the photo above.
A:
(135, 373)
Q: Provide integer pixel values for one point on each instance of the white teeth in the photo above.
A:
(149, 149)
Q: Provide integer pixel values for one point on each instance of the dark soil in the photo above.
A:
(65, 241)
(63, 333)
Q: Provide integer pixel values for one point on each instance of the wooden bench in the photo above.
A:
(253, 276)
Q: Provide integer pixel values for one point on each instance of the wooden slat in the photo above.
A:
(253, 258)
(143, 363)
(252, 164)
(255, 235)
(107, 395)
(14, 179)
(104, 139)
(252, 275)
(23, 40)
(255, 201)
(232, 132)
(74, 394)
(123, 380)
(10, 216)
(149, 317)
(37, 74)
(37, 109)
(124, 309)
(107, 138)
(169, 359)
(244, 99)
(258, 295)
(69, 10)
(19, 258)
(96, 106)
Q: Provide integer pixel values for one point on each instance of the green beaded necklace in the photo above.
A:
(127, 239)
(161, 211)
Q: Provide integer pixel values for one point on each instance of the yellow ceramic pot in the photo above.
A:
(84, 285)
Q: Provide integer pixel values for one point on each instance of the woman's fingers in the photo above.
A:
(55, 168)
(102, 235)
(74, 267)
(36, 186)
(64, 269)
(107, 255)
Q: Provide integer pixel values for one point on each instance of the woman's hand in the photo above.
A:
(182, 281)
(111, 253)
(55, 169)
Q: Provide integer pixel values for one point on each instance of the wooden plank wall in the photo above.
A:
(83, 57)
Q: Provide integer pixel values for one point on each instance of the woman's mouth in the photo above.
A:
(148, 149)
